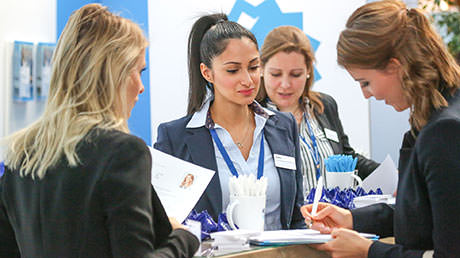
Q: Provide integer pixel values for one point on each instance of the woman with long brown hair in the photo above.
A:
(396, 56)
(287, 67)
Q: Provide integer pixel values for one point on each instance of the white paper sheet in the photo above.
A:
(179, 184)
(384, 177)
(296, 236)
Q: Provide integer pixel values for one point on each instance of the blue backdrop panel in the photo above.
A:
(270, 16)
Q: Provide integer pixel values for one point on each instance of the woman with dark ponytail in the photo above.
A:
(227, 131)
(396, 55)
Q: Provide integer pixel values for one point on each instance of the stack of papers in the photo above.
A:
(232, 240)
(366, 200)
(296, 236)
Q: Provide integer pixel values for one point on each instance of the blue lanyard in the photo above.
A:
(314, 148)
(220, 146)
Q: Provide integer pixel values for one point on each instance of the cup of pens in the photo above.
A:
(341, 172)
(247, 202)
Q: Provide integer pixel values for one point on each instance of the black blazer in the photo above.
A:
(103, 207)
(330, 119)
(195, 145)
(427, 212)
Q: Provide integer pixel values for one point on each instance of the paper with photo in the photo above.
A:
(384, 177)
(179, 184)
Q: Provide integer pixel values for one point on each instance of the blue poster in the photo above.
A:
(43, 70)
(22, 71)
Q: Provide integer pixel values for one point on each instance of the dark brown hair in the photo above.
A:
(208, 39)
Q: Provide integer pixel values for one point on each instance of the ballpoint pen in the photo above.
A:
(318, 193)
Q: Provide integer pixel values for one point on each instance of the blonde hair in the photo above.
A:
(379, 31)
(95, 55)
(290, 39)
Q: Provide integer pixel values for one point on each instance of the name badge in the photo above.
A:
(282, 161)
(331, 135)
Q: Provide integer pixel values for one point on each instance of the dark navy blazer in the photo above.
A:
(195, 145)
(427, 211)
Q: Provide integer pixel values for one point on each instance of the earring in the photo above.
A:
(308, 76)
(210, 85)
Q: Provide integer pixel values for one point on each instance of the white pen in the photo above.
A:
(318, 193)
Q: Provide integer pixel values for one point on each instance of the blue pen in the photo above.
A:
(2, 168)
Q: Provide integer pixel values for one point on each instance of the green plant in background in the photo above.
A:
(449, 23)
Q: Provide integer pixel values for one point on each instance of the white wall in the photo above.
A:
(325, 22)
(23, 20)
(170, 22)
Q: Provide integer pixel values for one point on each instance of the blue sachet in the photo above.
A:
(222, 223)
(341, 198)
(340, 163)
(208, 225)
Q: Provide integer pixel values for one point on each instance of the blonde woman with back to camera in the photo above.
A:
(396, 56)
(76, 183)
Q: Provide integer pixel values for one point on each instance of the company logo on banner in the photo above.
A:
(261, 17)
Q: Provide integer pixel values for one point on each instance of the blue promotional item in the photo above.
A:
(341, 198)
(2, 168)
(340, 163)
(208, 225)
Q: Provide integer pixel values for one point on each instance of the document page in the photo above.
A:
(179, 184)
(384, 177)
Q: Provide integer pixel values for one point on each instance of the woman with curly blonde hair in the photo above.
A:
(76, 183)
(396, 56)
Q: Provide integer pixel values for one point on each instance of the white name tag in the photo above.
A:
(331, 135)
(282, 161)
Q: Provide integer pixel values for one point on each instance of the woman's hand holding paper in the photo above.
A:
(175, 224)
(327, 217)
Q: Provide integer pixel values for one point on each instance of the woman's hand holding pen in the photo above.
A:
(338, 222)
(327, 217)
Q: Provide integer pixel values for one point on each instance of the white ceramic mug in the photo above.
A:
(247, 212)
(343, 180)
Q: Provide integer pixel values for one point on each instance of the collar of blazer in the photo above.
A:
(201, 150)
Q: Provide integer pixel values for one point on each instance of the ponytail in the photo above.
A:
(208, 39)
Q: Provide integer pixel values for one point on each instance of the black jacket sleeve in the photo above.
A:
(127, 201)
(381, 222)
(8, 246)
